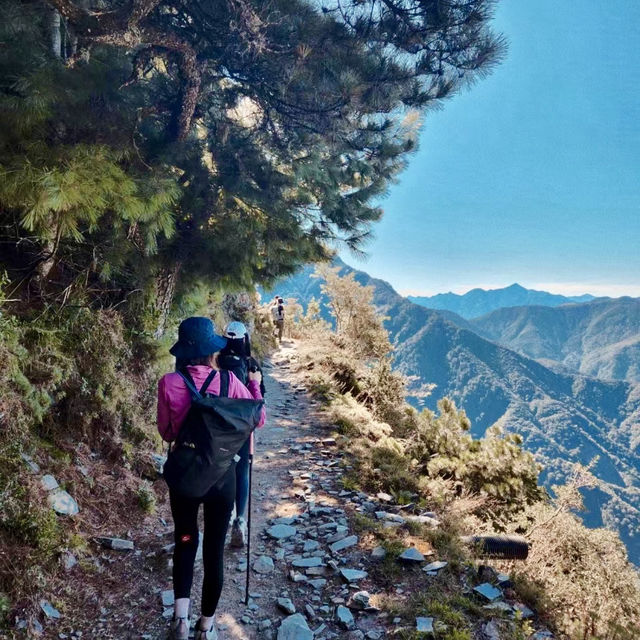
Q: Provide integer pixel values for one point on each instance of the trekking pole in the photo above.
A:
(246, 593)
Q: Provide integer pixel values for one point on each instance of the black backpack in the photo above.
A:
(214, 430)
(240, 367)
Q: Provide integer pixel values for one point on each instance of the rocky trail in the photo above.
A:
(315, 573)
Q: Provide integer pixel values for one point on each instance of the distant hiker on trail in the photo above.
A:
(191, 407)
(277, 315)
(236, 357)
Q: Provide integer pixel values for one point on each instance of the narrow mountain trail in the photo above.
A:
(316, 570)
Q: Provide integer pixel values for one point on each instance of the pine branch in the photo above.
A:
(122, 28)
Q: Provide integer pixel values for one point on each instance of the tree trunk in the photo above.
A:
(56, 35)
(165, 290)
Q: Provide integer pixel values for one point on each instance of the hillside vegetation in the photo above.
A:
(562, 417)
(578, 579)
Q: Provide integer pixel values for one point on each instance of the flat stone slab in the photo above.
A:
(117, 544)
(295, 627)
(428, 520)
(390, 517)
(318, 583)
(435, 566)
(424, 625)
(304, 563)
(49, 610)
(167, 598)
(411, 555)
(281, 531)
(524, 610)
(263, 565)
(488, 591)
(353, 575)
(343, 544)
(49, 483)
(504, 607)
(344, 617)
(62, 503)
(284, 519)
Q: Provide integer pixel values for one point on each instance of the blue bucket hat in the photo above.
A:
(197, 338)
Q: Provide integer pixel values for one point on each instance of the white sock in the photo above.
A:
(205, 623)
(181, 608)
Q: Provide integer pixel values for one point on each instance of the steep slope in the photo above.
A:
(563, 417)
(599, 338)
(478, 302)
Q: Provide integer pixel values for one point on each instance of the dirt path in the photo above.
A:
(292, 424)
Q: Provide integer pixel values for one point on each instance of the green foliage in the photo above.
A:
(113, 153)
(147, 498)
(5, 607)
(494, 466)
(358, 327)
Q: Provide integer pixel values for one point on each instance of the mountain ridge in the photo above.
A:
(477, 302)
(563, 417)
(600, 338)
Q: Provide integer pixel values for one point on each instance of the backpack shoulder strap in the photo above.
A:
(207, 382)
(188, 380)
(224, 383)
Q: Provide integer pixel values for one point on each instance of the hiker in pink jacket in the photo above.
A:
(197, 348)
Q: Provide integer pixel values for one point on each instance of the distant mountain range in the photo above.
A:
(563, 416)
(478, 302)
(600, 338)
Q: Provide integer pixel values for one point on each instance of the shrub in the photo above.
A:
(147, 498)
(579, 578)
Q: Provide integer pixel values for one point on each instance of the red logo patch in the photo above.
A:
(186, 538)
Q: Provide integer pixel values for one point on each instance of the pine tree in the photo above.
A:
(176, 142)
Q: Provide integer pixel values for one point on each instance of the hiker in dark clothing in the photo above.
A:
(236, 357)
(197, 349)
(277, 315)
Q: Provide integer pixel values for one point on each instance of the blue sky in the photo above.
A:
(533, 174)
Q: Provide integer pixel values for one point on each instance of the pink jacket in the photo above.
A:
(174, 398)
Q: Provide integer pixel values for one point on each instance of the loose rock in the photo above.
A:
(49, 610)
(61, 502)
(281, 531)
(411, 555)
(345, 543)
(424, 625)
(263, 565)
(345, 617)
(295, 627)
(353, 575)
(117, 544)
(488, 591)
(286, 605)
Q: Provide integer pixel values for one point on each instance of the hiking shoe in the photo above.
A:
(239, 533)
(179, 629)
(211, 634)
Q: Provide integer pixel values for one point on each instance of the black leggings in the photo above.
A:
(218, 504)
